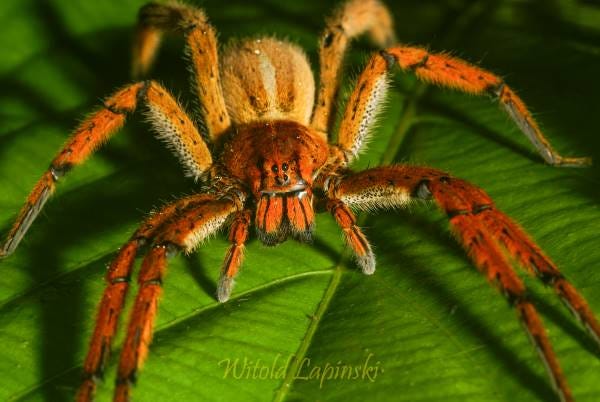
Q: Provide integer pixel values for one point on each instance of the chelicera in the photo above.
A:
(266, 160)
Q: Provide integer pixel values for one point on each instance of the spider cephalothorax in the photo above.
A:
(285, 157)
(266, 160)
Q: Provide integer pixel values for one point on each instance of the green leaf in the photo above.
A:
(425, 327)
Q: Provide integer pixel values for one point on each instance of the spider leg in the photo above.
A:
(523, 249)
(238, 234)
(113, 299)
(185, 232)
(352, 19)
(484, 232)
(169, 120)
(443, 70)
(154, 19)
(354, 236)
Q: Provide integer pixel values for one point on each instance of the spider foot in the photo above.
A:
(366, 262)
(224, 288)
(560, 161)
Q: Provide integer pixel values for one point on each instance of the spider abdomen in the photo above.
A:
(267, 79)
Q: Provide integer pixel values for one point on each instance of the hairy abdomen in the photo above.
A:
(267, 79)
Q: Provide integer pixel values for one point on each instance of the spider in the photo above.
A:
(265, 160)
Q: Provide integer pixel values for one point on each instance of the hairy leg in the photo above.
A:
(169, 120)
(238, 234)
(485, 233)
(441, 69)
(113, 299)
(354, 236)
(185, 232)
(154, 20)
(352, 19)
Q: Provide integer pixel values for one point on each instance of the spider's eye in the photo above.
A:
(274, 168)
(284, 167)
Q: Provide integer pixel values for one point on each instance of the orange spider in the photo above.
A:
(265, 160)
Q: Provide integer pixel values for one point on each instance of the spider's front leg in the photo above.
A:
(369, 93)
(351, 19)
(170, 122)
(486, 234)
(201, 47)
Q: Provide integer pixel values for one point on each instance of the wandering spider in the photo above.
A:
(265, 160)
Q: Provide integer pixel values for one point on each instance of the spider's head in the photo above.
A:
(277, 160)
(284, 197)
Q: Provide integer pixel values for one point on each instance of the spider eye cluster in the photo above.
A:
(284, 167)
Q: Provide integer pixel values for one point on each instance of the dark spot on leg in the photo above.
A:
(328, 39)
(422, 190)
(420, 64)
(496, 89)
(60, 170)
(390, 60)
(480, 208)
(453, 213)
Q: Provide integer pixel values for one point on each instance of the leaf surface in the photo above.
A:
(425, 327)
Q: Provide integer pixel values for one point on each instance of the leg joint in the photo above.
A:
(120, 279)
(389, 58)
(515, 298)
(496, 90)
(480, 208)
(115, 109)
(58, 171)
(422, 190)
(550, 278)
(152, 282)
(143, 92)
(331, 33)
(171, 248)
(457, 212)
(333, 205)
(420, 63)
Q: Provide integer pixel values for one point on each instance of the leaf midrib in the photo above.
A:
(404, 124)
